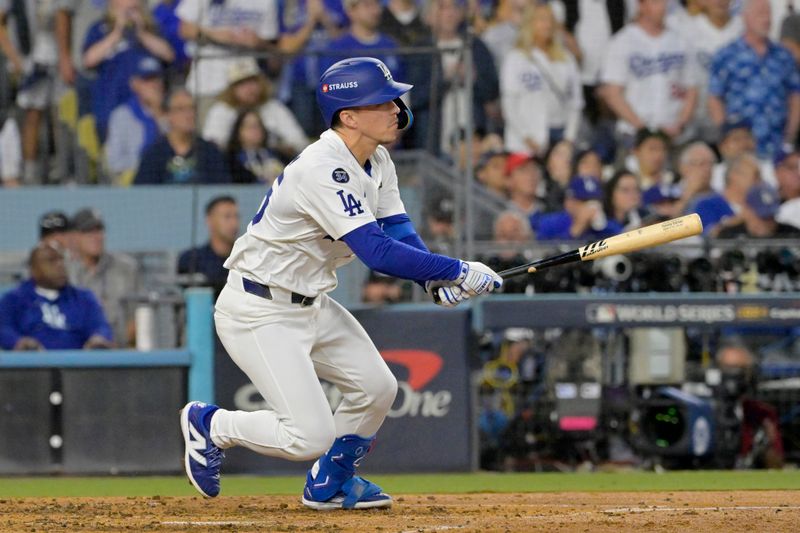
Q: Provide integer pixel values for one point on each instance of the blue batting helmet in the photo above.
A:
(360, 81)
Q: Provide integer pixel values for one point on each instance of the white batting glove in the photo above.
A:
(476, 278)
(449, 296)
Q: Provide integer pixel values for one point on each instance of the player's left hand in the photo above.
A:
(449, 296)
(476, 278)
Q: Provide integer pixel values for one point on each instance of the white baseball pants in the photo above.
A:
(284, 349)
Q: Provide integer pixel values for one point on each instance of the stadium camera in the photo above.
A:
(669, 423)
(617, 268)
(700, 275)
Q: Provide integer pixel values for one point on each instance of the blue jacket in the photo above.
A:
(555, 226)
(65, 323)
(111, 87)
(712, 209)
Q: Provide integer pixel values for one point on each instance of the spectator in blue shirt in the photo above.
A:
(222, 221)
(137, 123)
(113, 47)
(716, 209)
(582, 218)
(363, 36)
(757, 80)
(46, 313)
(164, 14)
(758, 217)
(306, 26)
(181, 156)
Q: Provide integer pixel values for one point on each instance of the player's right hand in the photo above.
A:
(449, 296)
(476, 278)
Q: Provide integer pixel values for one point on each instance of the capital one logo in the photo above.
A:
(417, 369)
(412, 397)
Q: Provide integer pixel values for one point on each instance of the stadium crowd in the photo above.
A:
(698, 101)
(588, 118)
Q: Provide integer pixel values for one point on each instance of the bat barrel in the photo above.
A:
(653, 235)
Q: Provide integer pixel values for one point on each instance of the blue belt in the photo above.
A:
(263, 291)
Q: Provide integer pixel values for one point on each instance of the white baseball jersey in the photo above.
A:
(538, 94)
(208, 76)
(707, 39)
(789, 213)
(593, 33)
(278, 120)
(655, 72)
(293, 241)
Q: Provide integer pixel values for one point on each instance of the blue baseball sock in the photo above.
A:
(337, 466)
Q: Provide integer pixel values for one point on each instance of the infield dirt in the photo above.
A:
(718, 512)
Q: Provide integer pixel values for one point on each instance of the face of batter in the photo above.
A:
(377, 122)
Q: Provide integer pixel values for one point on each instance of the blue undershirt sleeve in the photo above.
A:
(400, 228)
(383, 253)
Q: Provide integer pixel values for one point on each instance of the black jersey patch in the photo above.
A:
(340, 175)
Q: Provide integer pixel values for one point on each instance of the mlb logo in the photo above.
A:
(324, 87)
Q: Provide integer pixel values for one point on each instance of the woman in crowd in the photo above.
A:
(248, 156)
(249, 88)
(540, 86)
(588, 163)
(113, 47)
(558, 172)
(622, 200)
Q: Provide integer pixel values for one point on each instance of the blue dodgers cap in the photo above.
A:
(148, 67)
(585, 188)
(661, 193)
(763, 200)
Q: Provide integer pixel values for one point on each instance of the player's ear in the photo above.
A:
(348, 118)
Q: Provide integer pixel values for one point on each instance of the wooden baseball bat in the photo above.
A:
(631, 241)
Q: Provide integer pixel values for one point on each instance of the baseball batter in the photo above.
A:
(337, 200)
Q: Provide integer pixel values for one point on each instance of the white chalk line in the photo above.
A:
(618, 510)
(714, 508)
(431, 528)
(200, 523)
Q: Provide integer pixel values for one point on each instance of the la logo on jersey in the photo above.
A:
(53, 317)
(351, 206)
(340, 176)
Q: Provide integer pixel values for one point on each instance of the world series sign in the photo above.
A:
(641, 310)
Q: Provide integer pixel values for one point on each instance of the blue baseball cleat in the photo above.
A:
(356, 493)
(332, 484)
(202, 458)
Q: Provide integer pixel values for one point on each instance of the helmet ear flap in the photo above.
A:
(405, 118)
